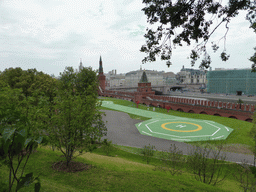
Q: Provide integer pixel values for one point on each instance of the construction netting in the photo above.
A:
(232, 82)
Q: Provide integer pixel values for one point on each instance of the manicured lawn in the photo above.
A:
(125, 170)
(239, 140)
(122, 171)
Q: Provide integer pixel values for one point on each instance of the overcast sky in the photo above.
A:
(51, 34)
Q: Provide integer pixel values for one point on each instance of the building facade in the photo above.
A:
(132, 78)
(170, 78)
(232, 81)
(191, 76)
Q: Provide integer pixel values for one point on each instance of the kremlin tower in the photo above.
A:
(102, 77)
(144, 88)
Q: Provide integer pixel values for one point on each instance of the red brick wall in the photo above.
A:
(231, 110)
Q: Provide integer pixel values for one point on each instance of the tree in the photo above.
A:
(245, 177)
(16, 141)
(75, 121)
(253, 134)
(172, 160)
(29, 81)
(207, 164)
(192, 20)
(38, 91)
(12, 76)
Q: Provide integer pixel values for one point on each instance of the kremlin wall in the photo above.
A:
(145, 95)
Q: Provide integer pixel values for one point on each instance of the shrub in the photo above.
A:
(171, 160)
(148, 152)
(206, 170)
(107, 147)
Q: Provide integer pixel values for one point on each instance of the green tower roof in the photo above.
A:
(144, 78)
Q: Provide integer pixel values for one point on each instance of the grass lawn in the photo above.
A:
(125, 170)
(122, 171)
(238, 141)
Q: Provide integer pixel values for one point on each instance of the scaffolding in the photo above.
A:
(232, 82)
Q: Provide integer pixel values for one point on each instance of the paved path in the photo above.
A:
(122, 131)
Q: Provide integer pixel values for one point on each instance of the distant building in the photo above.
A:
(191, 76)
(231, 81)
(115, 80)
(132, 78)
(80, 65)
(170, 78)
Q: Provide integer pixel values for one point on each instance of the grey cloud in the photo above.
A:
(127, 2)
(7, 17)
(126, 20)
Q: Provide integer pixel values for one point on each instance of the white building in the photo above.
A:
(191, 76)
(170, 78)
(114, 80)
(133, 77)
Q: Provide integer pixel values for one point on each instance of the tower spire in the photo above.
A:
(100, 67)
(81, 65)
(144, 78)
(102, 77)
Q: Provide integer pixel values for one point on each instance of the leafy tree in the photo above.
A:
(245, 177)
(207, 164)
(38, 91)
(12, 76)
(16, 142)
(29, 81)
(253, 134)
(179, 22)
(172, 160)
(75, 122)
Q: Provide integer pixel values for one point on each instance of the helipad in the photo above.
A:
(184, 129)
(175, 128)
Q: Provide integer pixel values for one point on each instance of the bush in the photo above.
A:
(206, 170)
(171, 160)
(107, 147)
(245, 177)
(148, 152)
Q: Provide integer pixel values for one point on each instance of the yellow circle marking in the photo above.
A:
(198, 127)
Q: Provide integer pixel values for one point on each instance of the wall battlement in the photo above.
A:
(232, 110)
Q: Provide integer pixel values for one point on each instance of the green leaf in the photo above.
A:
(29, 174)
(19, 139)
(17, 144)
(8, 132)
(37, 187)
(3, 153)
(25, 181)
(39, 140)
(27, 141)
(6, 146)
(22, 132)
